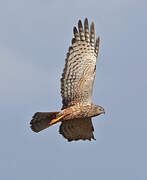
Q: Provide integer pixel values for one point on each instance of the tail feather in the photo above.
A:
(42, 120)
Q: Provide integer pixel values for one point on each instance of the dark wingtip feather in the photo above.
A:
(76, 34)
(81, 31)
(86, 21)
(97, 45)
(80, 24)
(75, 31)
(86, 28)
(92, 26)
(92, 35)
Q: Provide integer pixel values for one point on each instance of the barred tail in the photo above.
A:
(42, 120)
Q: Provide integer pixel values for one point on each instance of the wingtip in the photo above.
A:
(92, 26)
(86, 20)
(75, 30)
(79, 23)
(98, 39)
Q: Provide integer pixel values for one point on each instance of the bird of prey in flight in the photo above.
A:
(76, 89)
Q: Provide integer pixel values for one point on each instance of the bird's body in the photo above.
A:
(77, 112)
(76, 89)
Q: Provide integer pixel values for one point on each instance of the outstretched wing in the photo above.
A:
(79, 71)
(76, 129)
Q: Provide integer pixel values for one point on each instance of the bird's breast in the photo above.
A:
(76, 112)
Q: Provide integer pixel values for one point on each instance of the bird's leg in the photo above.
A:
(56, 120)
(61, 115)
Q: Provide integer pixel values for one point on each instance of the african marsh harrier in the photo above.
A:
(76, 89)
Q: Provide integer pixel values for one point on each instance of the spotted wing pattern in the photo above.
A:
(80, 65)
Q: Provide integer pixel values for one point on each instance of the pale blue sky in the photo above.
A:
(34, 38)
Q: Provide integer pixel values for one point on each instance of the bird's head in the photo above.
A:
(98, 109)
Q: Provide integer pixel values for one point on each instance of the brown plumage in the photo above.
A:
(76, 89)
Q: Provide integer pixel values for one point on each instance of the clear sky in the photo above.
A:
(34, 38)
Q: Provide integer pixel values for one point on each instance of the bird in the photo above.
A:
(76, 89)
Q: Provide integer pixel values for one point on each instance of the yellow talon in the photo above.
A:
(56, 120)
